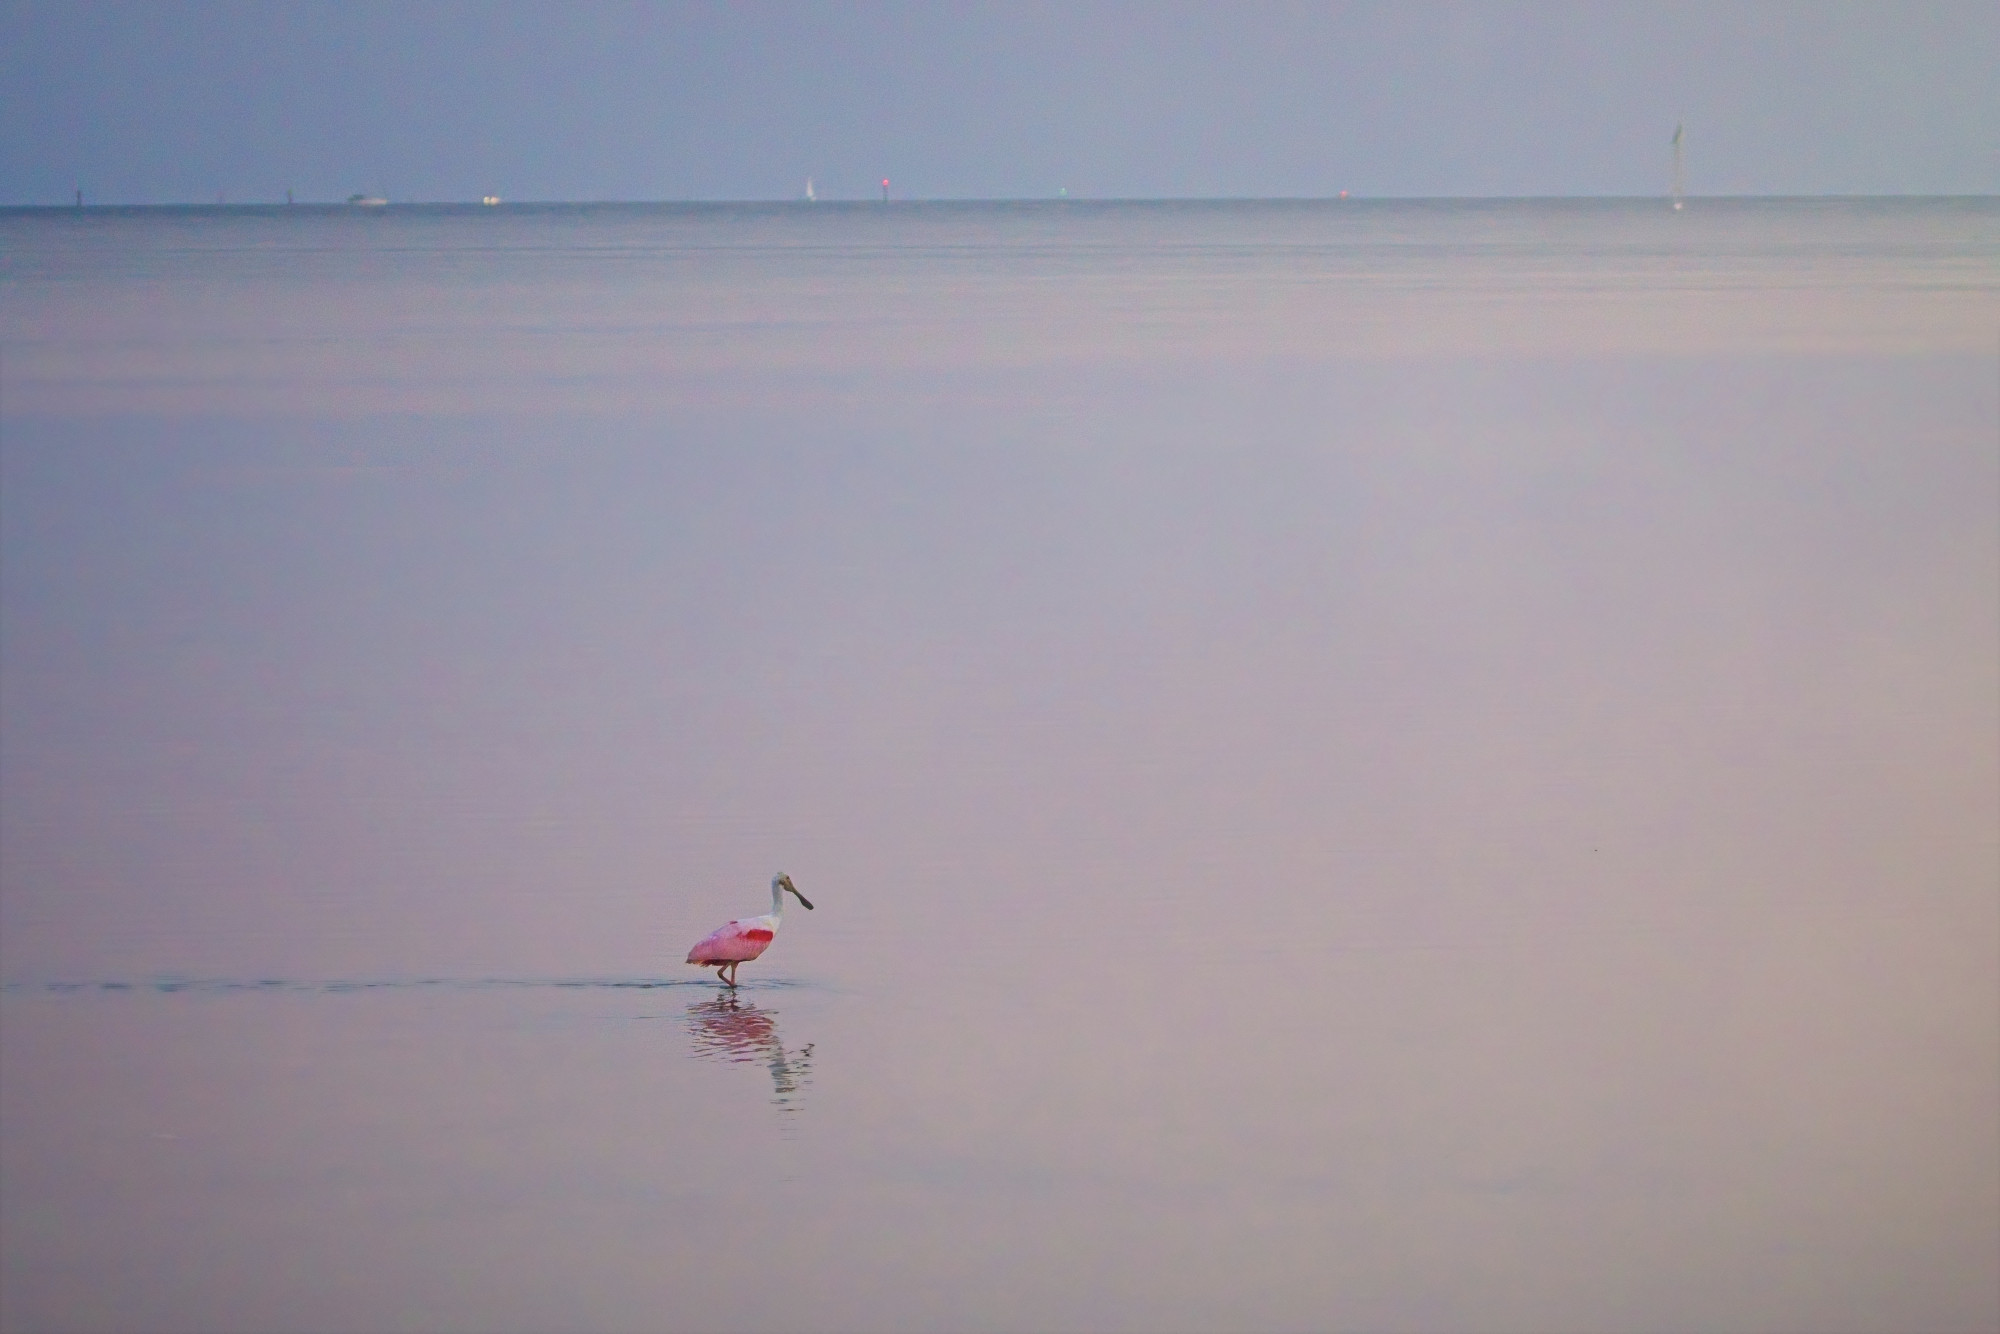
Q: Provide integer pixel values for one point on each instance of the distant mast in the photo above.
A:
(1680, 175)
(810, 196)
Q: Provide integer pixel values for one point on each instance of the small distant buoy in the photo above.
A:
(1343, 194)
(489, 200)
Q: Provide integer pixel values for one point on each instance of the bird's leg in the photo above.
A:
(727, 973)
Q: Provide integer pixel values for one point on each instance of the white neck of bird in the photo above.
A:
(777, 899)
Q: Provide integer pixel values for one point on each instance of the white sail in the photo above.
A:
(1680, 180)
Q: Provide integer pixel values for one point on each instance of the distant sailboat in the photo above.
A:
(1680, 179)
(810, 196)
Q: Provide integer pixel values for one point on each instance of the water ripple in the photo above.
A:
(211, 986)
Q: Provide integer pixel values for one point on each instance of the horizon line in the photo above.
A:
(868, 202)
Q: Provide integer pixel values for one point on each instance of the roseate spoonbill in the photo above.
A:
(746, 938)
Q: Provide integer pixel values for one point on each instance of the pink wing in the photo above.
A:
(735, 943)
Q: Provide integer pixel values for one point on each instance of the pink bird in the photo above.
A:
(746, 938)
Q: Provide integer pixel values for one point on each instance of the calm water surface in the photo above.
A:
(1415, 766)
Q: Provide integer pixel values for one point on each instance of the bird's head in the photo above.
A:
(784, 882)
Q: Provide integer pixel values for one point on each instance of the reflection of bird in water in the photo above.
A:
(728, 1029)
(744, 939)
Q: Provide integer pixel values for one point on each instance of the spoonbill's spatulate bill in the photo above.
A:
(742, 940)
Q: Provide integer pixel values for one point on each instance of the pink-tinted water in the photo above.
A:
(1418, 767)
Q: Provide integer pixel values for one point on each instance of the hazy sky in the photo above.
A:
(190, 102)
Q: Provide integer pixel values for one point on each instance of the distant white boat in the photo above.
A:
(367, 201)
(1680, 180)
(810, 196)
